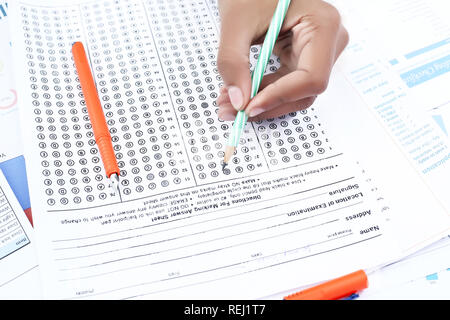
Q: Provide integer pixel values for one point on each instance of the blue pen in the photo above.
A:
(351, 297)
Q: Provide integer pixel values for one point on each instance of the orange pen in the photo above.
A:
(96, 115)
(334, 289)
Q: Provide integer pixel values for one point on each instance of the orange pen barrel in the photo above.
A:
(95, 111)
(334, 289)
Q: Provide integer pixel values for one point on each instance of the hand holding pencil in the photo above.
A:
(257, 75)
(310, 39)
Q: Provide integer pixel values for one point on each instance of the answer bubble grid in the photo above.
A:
(154, 63)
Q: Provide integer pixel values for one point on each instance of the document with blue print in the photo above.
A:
(295, 199)
(413, 42)
(19, 277)
(424, 275)
(401, 68)
(17, 249)
(12, 162)
(403, 83)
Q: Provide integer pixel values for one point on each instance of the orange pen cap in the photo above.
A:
(95, 110)
(334, 289)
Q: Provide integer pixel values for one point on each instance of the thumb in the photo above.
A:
(233, 63)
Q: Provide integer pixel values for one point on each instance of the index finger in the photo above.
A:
(315, 62)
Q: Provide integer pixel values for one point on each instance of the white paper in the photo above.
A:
(291, 204)
(403, 82)
(424, 275)
(17, 253)
(10, 143)
(413, 41)
(408, 114)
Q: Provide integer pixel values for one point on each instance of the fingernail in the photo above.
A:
(227, 116)
(236, 97)
(254, 112)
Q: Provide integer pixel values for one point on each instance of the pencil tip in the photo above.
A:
(224, 164)
(114, 183)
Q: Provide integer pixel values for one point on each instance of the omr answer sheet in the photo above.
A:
(292, 208)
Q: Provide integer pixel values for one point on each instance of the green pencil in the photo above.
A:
(257, 75)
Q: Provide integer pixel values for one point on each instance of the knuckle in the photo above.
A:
(305, 103)
(318, 84)
(223, 60)
(228, 61)
(255, 119)
(258, 118)
(275, 92)
(309, 101)
(333, 14)
(345, 36)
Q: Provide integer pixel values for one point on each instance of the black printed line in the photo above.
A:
(188, 188)
(15, 217)
(11, 231)
(214, 22)
(252, 204)
(215, 269)
(190, 225)
(205, 231)
(204, 252)
(18, 276)
(6, 211)
(170, 96)
(250, 271)
(91, 65)
(5, 203)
